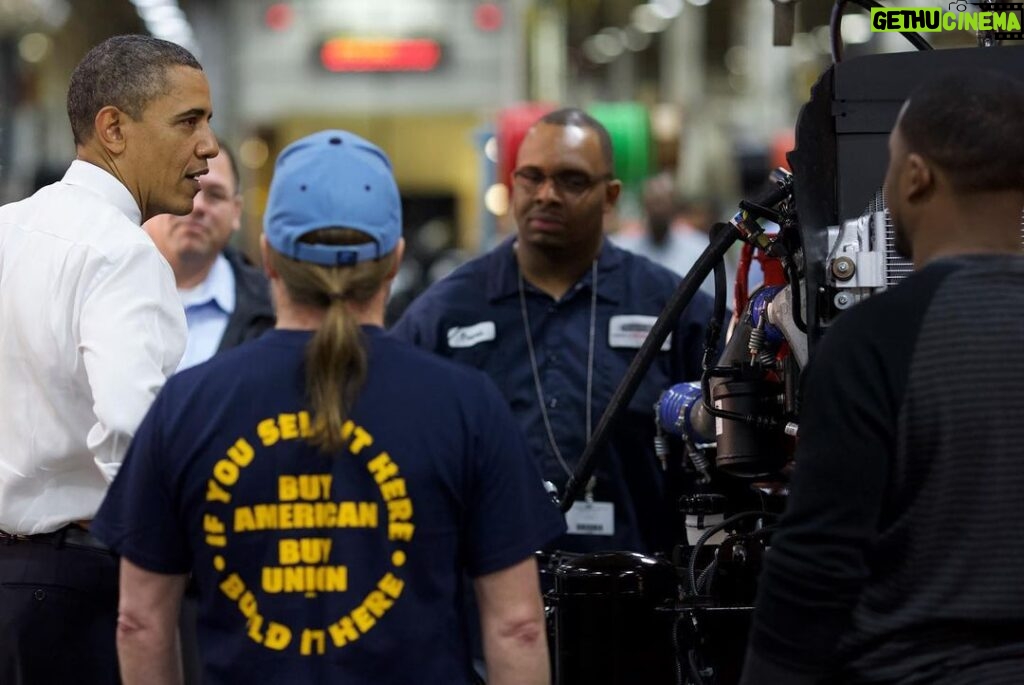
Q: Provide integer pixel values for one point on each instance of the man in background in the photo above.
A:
(663, 237)
(555, 315)
(898, 559)
(226, 300)
(673, 232)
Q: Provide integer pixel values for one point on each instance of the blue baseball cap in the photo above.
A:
(333, 179)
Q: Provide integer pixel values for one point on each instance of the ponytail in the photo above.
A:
(336, 360)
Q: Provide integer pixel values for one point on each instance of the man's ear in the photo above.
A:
(268, 268)
(611, 194)
(919, 178)
(109, 129)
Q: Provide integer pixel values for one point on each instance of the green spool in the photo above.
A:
(629, 127)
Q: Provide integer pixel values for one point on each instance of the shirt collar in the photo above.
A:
(503, 276)
(102, 183)
(219, 288)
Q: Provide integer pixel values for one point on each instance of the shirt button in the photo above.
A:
(552, 403)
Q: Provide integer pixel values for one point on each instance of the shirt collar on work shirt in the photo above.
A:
(102, 183)
(503, 279)
(219, 288)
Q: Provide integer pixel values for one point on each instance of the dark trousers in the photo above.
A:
(58, 612)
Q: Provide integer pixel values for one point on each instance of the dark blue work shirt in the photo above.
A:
(318, 566)
(474, 316)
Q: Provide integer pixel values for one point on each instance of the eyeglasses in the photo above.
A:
(530, 179)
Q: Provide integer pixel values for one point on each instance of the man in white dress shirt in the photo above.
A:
(90, 327)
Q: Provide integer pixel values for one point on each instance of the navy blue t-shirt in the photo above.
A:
(475, 316)
(314, 566)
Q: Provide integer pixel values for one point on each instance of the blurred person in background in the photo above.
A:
(673, 232)
(226, 299)
(327, 485)
(90, 327)
(663, 235)
(554, 315)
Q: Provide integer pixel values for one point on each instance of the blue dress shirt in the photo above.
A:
(207, 309)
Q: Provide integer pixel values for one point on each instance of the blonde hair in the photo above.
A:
(336, 355)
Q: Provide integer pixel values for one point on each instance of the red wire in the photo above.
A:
(740, 295)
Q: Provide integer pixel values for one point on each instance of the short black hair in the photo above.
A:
(971, 125)
(127, 72)
(573, 116)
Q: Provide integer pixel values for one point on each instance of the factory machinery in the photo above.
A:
(824, 241)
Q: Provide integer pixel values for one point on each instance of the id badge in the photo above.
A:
(591, 518)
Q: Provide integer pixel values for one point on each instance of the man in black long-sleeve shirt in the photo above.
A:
(899, 558)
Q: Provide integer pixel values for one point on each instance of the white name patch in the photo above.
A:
(468, 336)
(630, 331)
(591, 518)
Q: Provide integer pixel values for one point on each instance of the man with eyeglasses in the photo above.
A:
(555, 315)
(226, 299)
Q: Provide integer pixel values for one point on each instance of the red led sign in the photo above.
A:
(380, 54)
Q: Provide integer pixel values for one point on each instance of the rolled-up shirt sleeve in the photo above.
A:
(132, 335)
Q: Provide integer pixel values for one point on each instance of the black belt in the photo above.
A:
(71, 535)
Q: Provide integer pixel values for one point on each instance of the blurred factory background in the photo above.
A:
(694, 88)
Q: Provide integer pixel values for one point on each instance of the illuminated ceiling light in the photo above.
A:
(164, 19)
(856, 29)
(279, 16)
(170, 25)
(608, 46)
(53, 12)
(666, 122)
(161, 13)
(491, 149)
(609, 42)
(647, 20)
(253, 153)
(593, 51)
(496, 199)
(699, 3)
(667, 9)
(612, 41)
(33, 47)
(636, 40)
(488, 17)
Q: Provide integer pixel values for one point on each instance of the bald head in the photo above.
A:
(571, 116)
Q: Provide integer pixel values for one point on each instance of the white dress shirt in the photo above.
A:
(208, 306)
(90, 327)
